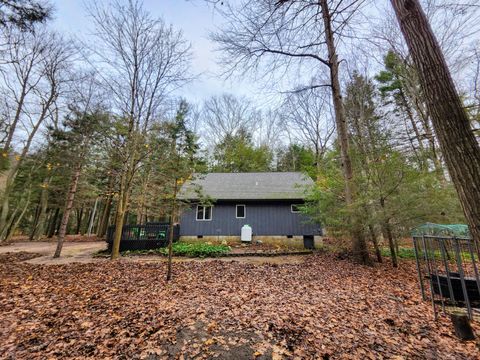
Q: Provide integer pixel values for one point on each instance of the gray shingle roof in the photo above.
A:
(247, 186)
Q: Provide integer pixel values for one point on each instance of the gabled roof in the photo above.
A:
(247, 186)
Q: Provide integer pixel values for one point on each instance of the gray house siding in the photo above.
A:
(265, 218)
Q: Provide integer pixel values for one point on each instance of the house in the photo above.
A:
(269, 202)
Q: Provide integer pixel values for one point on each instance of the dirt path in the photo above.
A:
(80, 252)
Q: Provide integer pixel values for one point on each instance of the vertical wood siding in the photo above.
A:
(264, 218)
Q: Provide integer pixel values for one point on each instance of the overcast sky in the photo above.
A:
(194, 17)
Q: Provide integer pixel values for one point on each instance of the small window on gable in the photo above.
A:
(240, 212)
(204, 213)
(295, 208)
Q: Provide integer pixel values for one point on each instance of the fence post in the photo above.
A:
(462, 277)
(427, 259)
(447, 269)
(419, 271)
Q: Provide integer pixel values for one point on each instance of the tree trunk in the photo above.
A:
(123, 199)
(57, 225)
(68, 208)
(119, 218)
(34, 222)
(374, 239)
(42, 218)
(458, 145)
(387, 232)
(20, 103)
(141, 205)
(170, 233)
(8, 226)
(102, 229)
(359, 244)
(122, 206)
(16, 222)
(427, 128)
(92, 218)
(85, 220)
(98, 220)
(6, 202)
(13, 172)
(53, 223)
(79, 220)
(418, 136)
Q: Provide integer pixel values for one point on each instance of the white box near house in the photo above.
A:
(246, 233)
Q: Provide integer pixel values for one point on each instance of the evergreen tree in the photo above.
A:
(237, 153)
(81, 129)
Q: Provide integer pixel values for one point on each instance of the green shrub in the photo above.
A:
(197, 250)
(183, 249)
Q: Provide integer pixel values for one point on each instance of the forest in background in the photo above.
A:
(98, 133)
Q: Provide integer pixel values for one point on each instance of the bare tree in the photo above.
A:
(272, 36)
(140, 60)
(309, 118)
(456, 27)
(271, 129)
(23, 14)
(452, 126)
(225, 115)
(32, 82)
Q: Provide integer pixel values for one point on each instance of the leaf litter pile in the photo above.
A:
(323, 308)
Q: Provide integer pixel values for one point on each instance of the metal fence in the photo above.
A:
(143, 237)
(448, 271)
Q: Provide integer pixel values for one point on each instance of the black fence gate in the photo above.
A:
(447, 260)
(143, 237)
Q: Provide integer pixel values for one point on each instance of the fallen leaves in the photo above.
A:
(324, 308)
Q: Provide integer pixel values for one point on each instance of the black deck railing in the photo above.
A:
(143, 237)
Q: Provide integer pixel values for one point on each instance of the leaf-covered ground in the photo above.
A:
(321, 308)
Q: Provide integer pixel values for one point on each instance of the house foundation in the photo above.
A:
(296, 241)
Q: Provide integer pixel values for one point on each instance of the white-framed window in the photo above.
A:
(295, 208)
(204, 212)
(240, 211)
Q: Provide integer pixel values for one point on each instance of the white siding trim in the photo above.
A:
(204, 207)
(295, 211)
